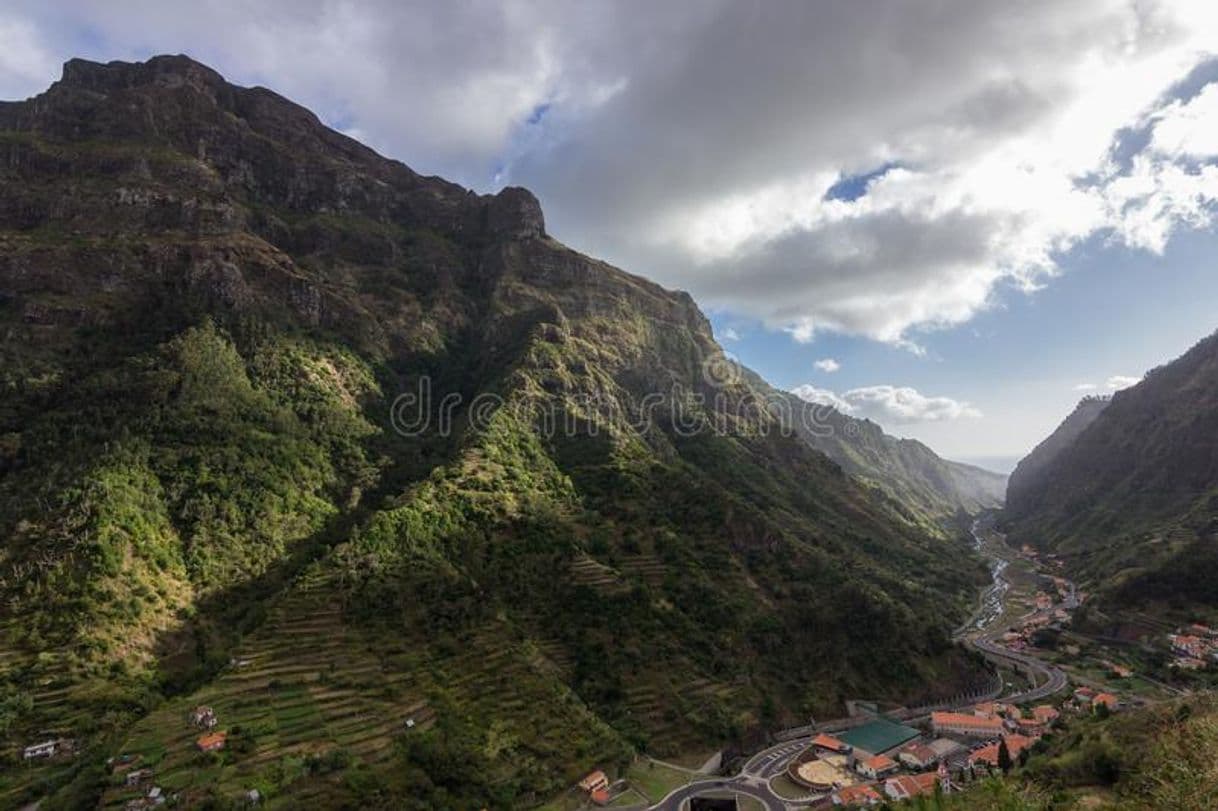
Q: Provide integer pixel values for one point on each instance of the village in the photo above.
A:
(875, 758)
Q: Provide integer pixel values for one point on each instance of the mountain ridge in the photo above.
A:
(1129, 502)
(221, 482)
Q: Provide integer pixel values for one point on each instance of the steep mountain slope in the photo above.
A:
(292, 430)
(1027, 476)
(1132, 501)
(934, 493)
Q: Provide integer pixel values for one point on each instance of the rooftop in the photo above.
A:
(878, 736)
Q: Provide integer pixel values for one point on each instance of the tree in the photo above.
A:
(1004, 757)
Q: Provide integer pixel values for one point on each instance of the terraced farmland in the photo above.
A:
(307, 684)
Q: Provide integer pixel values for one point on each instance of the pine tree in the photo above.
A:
(1004, 757)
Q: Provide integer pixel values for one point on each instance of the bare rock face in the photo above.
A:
(515, 213)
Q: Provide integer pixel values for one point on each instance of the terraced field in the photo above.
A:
(309, 685)
(305, 684)
(61, 700)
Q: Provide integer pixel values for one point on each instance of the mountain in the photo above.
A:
(1027, 476)
(429, 509)
(932, 493)
(1130, 502)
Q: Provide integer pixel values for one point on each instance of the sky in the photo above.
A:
(954, 218)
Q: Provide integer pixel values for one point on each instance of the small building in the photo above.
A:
(595, 781)
(958, 723)
(40, 750)
(211, 742)
(918, 756)
(1106, 700)
(203, 717)
(1045, 714)
(137, 776)
(908, 786)
(876, 766)
(1084, 695)
(600, 797)
(253, 796)
(857, 796)
(830, 744)
(987, 756)
(945, 748)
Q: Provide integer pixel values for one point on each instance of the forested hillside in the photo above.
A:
(1131, 502)
(433, 510)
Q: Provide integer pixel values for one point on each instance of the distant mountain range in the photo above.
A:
(431, 510)
(1127, 490)
(933, 493)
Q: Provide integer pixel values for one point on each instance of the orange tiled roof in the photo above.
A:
(959, 719)
(856, 795)
(211, 739)
(1107, 699)
(879, 763)
(828, 742)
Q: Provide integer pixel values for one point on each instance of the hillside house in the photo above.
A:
(1106, 700)
(137, 776)
(44, 749)
(211, 742)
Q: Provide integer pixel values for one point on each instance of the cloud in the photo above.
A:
(1085, 387)
(25, 63)
(1122, 381)
(889, 405)
(876, 169)
(812, 394)
(827, 365)
(730, 334)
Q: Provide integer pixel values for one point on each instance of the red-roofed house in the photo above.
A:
(876, 766)
(211, 742)
(1106, 699)
(1045, 714)
(600, 796)
(906, 786)
(962, 724)
(918, 756)
(857, 796)
(830, 743)
(988, 755)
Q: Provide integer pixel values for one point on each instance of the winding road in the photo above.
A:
(979, 633)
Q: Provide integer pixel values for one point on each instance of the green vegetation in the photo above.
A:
(208, 494)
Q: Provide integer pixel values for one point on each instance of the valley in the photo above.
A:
(327, 483)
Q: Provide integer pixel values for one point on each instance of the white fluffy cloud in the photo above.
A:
(889, 405)
(869, 168)
(827, 365)
(1122, 381)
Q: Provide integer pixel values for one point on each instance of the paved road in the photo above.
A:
(1051, 679)
(753, 780)
(762, 767)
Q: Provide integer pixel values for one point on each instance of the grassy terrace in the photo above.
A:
(310, 685)
(307, 685)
